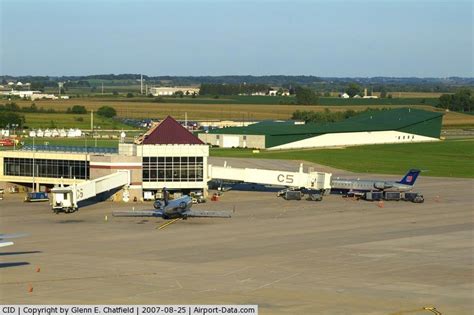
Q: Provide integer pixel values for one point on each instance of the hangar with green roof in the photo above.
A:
(402, 125)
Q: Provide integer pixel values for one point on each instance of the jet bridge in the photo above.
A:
(66, 199)
(312, 180)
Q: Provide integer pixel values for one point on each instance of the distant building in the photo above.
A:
(345, 95)
(22, 94)
(278, 91)
(169, 91)
(402, 125)
(37, 96)
(272, 92)
(224, 123)
(33, 95)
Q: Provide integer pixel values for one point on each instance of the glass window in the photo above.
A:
(174, 169)
(46, 168)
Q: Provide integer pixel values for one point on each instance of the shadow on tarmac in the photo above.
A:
(20, 253)
(13, 264)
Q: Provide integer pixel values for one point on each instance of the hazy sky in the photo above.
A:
(184, 37)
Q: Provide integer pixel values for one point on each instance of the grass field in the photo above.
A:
(62, 120)
(290, 100)
(81, 142)
(454, 158)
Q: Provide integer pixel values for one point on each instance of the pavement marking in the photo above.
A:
(276, 281)
(235, 271)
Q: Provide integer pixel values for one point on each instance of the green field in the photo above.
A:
(81, 142)
(286, 100)
(62, 120)
(453, 158)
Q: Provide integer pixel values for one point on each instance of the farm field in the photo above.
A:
(137, 109)
(290, 100)
(63, 120)
(453, 158)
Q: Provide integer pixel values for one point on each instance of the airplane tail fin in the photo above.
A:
(410, 177)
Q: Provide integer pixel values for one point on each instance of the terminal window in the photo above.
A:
(173, 169)
(46, 168)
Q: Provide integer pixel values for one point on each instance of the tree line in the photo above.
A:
(320, 84)
(326, 115)
(9, 118)
(322, 117)
(461, 101)
(232, 89)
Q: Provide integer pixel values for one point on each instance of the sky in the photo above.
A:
(351, 38)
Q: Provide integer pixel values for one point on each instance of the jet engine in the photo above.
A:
(182, 205)
(157, 205)
(382, 185)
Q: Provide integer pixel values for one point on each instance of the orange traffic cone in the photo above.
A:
(30, 288)
(38, 269)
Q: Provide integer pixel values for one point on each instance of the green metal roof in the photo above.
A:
(394, 119)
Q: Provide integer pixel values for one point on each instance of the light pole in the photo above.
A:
(33, 163)
(95, 135)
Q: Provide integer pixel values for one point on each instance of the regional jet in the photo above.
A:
(359, 187)
(173, 210)
(8, 236)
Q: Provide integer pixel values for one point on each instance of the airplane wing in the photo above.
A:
(16, 235)
(206, 214)
(139, 214)
(7, 236)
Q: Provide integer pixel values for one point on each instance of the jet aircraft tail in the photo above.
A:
(410, 177)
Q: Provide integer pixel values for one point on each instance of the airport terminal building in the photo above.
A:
(402, 125)
(167, 155)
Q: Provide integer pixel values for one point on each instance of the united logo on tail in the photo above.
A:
(410, 177)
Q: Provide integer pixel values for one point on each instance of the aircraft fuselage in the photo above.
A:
(175, 208)
(361, 186)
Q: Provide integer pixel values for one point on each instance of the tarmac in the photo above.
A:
(338, 256)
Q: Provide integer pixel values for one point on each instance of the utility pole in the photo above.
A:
(92, 120)
(34, 163)
(102, 88)
(141, 83)
(60, 85)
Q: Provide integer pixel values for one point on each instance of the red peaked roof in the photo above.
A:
(169, 131)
